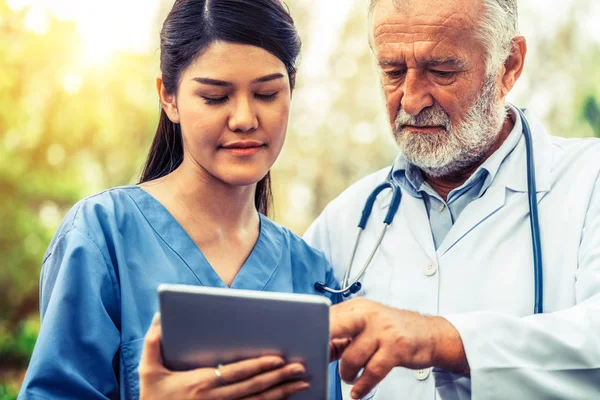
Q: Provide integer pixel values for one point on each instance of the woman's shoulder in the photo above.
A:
(98, 214)
(103, 206)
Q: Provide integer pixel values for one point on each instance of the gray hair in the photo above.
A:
(499, 25)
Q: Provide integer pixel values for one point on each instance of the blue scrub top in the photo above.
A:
(98, 290)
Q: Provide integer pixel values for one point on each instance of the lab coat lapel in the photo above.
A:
(413, 213)
(514, 174)
(413, 210)
(474, 214)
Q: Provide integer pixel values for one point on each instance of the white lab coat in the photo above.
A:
(481, 277)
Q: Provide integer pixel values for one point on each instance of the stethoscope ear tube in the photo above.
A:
(366, 213)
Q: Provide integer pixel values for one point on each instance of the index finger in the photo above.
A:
(337, 347)
(376, 369)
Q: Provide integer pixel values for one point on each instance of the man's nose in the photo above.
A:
(415, 93)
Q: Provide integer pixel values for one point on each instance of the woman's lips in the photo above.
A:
(243, 149)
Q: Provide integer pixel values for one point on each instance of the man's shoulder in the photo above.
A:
(576, 144)
(576, 153)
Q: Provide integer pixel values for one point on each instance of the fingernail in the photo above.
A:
(278, 362)
(302, 386)
(355, 395)
(297, 370)
(156, 319)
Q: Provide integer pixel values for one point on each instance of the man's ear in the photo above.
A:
(513, 67)
(167, 101)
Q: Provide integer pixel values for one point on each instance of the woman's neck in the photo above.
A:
(205, 205)
(210, 200)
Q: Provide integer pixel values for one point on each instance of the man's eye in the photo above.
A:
(442, 74)
(396, 73)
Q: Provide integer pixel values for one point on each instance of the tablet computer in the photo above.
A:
(205, 327)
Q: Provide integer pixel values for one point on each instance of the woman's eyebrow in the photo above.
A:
(267, 78)
(210, 81)
(218, 82)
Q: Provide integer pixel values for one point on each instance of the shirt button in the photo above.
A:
(422, 374)
(430, 269)
(442, 207)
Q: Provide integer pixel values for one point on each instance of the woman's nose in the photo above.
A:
(243, 116)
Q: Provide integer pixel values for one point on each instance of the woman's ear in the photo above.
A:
(167, 101)
(293, 79)
(513, 67)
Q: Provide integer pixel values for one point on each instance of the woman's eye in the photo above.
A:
(266, 96)
(214, 100)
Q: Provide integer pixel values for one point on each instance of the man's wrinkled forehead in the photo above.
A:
(452, 18)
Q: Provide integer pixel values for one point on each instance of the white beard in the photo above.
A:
(455, 148)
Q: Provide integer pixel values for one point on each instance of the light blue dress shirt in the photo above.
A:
(442, 214)
(98, 290)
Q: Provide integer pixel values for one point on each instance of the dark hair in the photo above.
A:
(190, 27)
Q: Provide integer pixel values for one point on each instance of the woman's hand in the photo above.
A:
(265, 378)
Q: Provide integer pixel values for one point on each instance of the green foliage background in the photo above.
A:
(68, 129)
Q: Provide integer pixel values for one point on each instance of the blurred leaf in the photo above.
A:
(591, 112)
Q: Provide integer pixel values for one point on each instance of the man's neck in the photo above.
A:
(445, 184)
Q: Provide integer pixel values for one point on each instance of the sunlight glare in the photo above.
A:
(105, 27)
(72, 82)
(37, 21)
(111, 26)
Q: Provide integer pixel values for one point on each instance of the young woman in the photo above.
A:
(197, 217)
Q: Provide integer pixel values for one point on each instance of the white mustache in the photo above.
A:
(430, 116)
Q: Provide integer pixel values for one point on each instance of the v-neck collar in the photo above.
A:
(256, 271)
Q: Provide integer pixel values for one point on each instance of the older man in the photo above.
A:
(451, 286)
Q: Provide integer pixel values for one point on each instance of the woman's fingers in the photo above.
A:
(264, 382)
(151, 359)
(243, 370)
(282, 391)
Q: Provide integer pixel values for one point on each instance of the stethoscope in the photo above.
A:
(351, 287)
